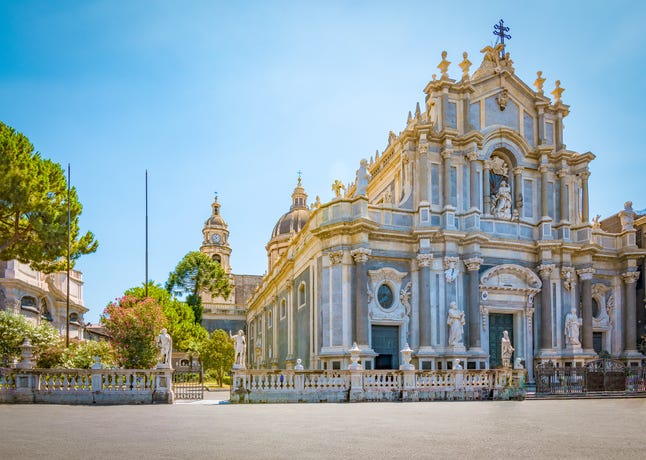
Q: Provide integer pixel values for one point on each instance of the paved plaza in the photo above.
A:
(527, 429)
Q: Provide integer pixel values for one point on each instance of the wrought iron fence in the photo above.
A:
(601, 375)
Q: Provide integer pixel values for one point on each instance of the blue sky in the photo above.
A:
(215, 96)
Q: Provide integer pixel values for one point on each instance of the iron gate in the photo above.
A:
(598, 375)
(188, 382)
(605, 375)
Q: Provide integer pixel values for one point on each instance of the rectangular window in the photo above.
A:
(550, 200)
(528, 128)
(528, 198)
(452, 115)
(549, 133)
(567, 202)
(454, 186)
(465, 189)
(435, 183)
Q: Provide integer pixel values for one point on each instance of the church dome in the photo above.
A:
(296, 217)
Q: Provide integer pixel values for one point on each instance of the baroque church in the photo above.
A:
(473, 221)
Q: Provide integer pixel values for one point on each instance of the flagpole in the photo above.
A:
(146, 280)
(69, 250)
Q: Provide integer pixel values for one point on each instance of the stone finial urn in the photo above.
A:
(407, 354)
(26, 355)
(355, 351)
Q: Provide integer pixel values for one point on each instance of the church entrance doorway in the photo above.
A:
(385, 342)
(498, 323)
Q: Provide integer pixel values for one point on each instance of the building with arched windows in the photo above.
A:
(474, 220)
(42, 297)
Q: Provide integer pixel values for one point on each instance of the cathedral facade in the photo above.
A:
(472, 223)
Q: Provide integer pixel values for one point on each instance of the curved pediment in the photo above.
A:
(508, 276)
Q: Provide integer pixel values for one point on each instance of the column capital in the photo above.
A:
(561, 173)
(543, 168)
(336, 257)
(567, 275)
(446, 154)
(450, 262)
(584, 174)
(585, 273)
(518, 171)
(360, 255)
(422, 147)
(630, 277)
(473, 264)
(545, 270)
(487, 164)
(424, 260)
(289, 285)
(472, 156)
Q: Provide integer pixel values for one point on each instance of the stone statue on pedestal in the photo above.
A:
(501, 206)
(455, 321)
(506, 349)
(363, 177)
(572, 324)
(165, 344)
(240, 346)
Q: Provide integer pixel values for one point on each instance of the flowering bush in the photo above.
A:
(133, 325)
(15, 328)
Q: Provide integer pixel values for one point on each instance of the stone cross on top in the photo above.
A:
(499, 31)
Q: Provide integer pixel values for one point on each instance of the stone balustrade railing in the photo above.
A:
(375, 385)
(86, 386)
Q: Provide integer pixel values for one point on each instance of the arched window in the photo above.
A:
(301, 297)
(283, 309)
(74, 317)
(28, 303)
(270, 319)
(217, 258)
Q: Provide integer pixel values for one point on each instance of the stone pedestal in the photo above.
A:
(164, 387)
(356, 385)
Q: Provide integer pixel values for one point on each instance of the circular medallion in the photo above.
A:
(385, 296)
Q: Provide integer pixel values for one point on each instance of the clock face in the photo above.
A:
(385, 296)
(216, 238)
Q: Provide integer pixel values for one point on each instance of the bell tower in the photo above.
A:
(216, 237)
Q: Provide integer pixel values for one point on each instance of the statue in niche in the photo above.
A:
(165, 344)
(455, 321)
(572, 324)
(501, 205)
(363, 177)
(506, 349)
(240, 347)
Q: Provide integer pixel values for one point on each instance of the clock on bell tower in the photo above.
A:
(216, 237)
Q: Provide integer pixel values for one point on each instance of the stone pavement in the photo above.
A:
(503, 429)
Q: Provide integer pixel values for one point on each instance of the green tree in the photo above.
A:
(33, 207)
(15, 328)
(218, 353)
(186, 333)
(133, 325)
(197, 273)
